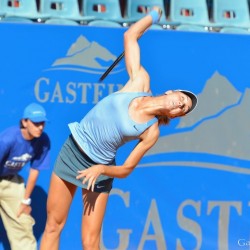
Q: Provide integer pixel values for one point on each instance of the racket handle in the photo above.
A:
(118, 59)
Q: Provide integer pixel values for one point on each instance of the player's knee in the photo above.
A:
(54, 226)
(90, 242)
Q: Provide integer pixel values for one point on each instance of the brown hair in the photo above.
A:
(163, 120)
(21, 123)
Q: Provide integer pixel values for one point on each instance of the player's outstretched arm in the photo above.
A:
(131, 36)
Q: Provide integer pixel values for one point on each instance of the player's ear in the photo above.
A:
(23, 123)
(168, 92)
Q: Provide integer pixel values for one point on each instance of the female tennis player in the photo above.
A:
(87, 158)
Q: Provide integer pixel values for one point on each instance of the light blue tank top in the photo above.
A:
(108, 126)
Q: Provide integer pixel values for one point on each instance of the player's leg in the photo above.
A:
(94, 210)
(60, 197)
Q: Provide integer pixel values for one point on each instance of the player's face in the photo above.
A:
(34, 129)
(178, 103)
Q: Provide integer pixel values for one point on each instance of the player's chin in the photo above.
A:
(37, 135)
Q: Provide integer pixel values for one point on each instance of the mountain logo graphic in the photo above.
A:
(215, 136)
(24, 157)
(89, 57)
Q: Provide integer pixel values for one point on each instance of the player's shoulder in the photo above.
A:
(151, 134)
(142, 80)
(10, 132)
(154, 130)
(10, 136)
(139, 83)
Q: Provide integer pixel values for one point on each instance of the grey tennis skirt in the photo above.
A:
(71, 159)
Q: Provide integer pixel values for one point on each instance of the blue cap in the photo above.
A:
(35, 113)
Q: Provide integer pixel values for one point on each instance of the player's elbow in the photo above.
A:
(130, 35)
(126, 171)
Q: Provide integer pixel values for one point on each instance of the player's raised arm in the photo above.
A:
(131, 36)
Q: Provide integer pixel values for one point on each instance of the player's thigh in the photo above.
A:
(60, 196)
(94, 211)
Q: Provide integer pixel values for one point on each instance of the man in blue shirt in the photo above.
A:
(18, 146)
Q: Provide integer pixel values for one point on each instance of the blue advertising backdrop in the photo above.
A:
(191, 191)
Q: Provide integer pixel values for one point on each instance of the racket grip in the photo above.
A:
(118, 59)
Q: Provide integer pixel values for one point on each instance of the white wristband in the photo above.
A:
(26, 201)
